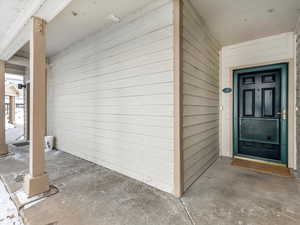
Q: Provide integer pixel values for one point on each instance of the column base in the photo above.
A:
(36, 185)
(3, 149)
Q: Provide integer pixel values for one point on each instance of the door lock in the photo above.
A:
(283, 114)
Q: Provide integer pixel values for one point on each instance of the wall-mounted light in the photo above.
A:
(21, 86)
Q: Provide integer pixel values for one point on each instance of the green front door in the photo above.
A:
(260, 113)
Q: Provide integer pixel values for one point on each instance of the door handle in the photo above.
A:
(283, 114)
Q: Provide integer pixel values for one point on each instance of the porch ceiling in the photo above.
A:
(12, 18)
(232, 21)
(9, 12)
(14, 21)
(84, 17)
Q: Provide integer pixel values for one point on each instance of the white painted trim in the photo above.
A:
(221, 108)
(295, 104)
(297, 35)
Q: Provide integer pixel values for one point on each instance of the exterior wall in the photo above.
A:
(110, 96)
(200, 73)
(298, 92)
(26, 104)
(269, 50)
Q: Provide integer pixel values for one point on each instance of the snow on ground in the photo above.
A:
(8, 211)
(19, 119)
(15, 133)
(8, 125)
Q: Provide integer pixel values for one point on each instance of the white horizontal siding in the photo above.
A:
(200, 96)
(110, 97)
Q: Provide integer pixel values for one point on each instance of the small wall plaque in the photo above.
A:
(227, 90)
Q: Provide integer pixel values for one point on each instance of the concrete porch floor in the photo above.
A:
(90, 194)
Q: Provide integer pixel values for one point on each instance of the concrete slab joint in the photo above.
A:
(36, 182)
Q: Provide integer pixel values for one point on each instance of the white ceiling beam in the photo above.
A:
(51, 8)
(17, 42)
(18, 36)
(13, 69)
(20, 61)
(17, 26)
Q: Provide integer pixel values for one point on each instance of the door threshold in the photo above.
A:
(262, 166)
(260, 161)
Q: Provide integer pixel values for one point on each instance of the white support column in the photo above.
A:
(36, 181)
(12, 110)
(3, 145)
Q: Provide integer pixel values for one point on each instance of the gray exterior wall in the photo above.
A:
(200, 96)
(110, 97)
(298, 93)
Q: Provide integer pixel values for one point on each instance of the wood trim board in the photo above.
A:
(178, 107)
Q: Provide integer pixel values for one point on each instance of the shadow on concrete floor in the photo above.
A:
(92, 195)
